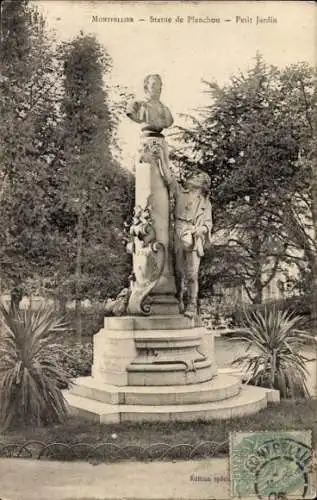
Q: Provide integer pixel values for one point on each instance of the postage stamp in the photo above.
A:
(272, 465)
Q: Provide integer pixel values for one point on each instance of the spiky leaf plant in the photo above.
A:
(274, 356)
(31, 375)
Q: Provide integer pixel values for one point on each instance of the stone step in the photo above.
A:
(220, 387)
(250, 400)
(91, 409)
(158, 322)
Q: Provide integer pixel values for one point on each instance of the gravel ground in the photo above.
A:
(37, 480)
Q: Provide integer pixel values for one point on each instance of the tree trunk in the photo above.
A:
(314, 256)
(62, 301)
(258, 297)
(257, 286)
(79, 326)
(16, 297)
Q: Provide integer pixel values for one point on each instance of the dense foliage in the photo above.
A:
(31, 371)
(64, 198)
(29, 97)
(76, 359)
(97, 191)
(274, 356)
(255, 141)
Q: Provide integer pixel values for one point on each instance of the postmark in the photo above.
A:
(272, 465)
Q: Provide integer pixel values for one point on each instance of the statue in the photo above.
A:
(193, 224)
(171, 223)
(155, 116)
(151, 230)
(118, 306)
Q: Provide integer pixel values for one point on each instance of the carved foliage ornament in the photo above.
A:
(148, 259)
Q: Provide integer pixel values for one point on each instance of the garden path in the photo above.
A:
(44, 480)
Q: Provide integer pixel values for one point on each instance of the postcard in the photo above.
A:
(158, 256)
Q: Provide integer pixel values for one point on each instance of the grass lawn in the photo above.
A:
(208, 438)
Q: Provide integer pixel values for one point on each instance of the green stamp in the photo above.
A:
(272, 465)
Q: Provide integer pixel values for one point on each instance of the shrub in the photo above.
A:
(278, 362)
(31, 375)
(92, 320)
(299, 306)
(77, 359)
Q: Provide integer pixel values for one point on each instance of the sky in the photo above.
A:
(186, 53)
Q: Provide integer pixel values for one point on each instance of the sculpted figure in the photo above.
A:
(118, 306)
(193, 224)
(155, 117)
(149, 256)
(151, 230)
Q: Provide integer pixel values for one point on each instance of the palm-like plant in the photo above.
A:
(276, 359)
(30, 372)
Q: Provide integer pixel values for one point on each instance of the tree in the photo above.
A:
(249, 139)
(97, 191)
(41, 195)
(29, 97)
(300, 210)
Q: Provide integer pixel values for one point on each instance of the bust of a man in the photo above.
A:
(151, 112)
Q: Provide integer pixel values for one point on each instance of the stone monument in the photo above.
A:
(151, 232)
(154, 360)
(192, 230)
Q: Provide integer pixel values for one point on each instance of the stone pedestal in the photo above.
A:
(160, 368)
(152, 351)
(114, 350)
(150, 189)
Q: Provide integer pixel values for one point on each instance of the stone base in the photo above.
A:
(153, 351)
(222, 398)
(221, 387)
(160, 368)
(114, 350)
